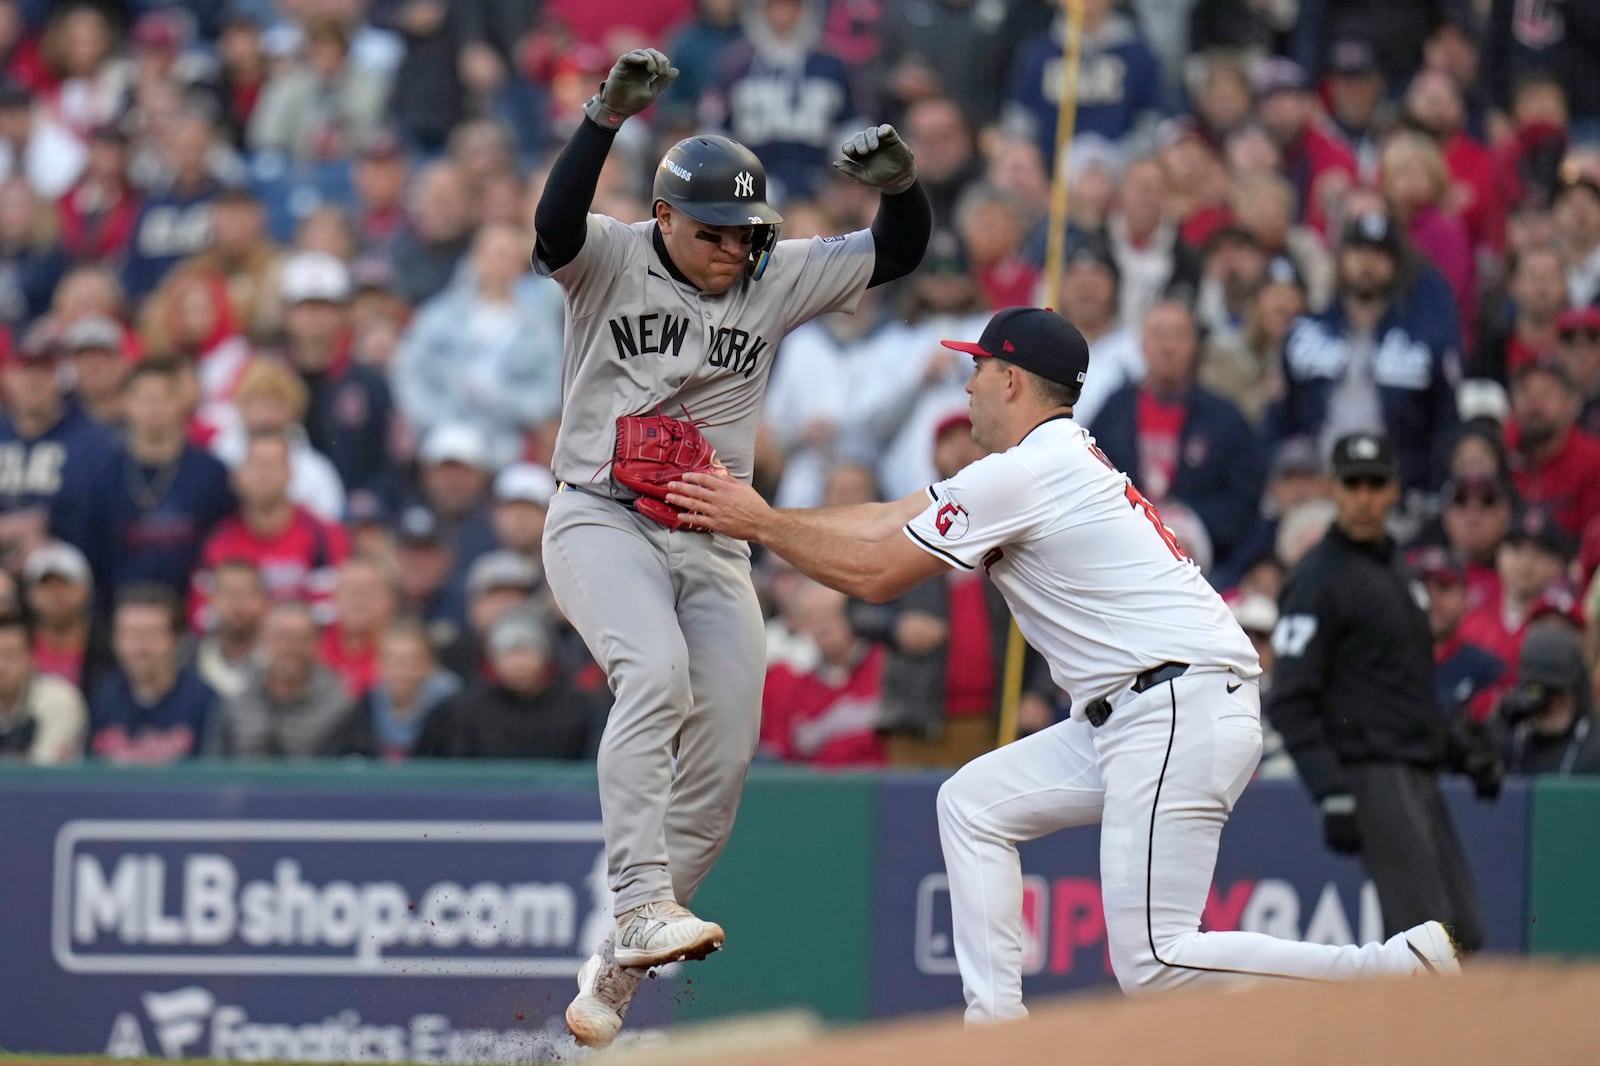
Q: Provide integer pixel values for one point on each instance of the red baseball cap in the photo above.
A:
(1036, 339)
(1575, 318)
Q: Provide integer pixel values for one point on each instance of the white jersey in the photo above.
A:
(638, 341)
(1094, 579)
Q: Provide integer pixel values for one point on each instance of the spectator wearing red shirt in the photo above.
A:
(1538, 293)
(826, 715)
(1476, 517)
(1434, 103)
(97, 214)
(364, 605)
(1553, 462)
(296, 551)
(1316, 162)
(1578, 352)
(1529, 563)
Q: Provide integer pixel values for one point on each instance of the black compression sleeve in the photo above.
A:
(561, 218)
(900, 233)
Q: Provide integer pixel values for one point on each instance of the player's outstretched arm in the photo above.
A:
(879, 159)
(561, 219)
(857, 550)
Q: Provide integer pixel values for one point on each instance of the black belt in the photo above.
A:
(1098, 710)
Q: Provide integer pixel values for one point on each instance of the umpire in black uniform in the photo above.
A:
(1353, 696)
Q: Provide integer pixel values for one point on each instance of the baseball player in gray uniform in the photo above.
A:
(679, 315)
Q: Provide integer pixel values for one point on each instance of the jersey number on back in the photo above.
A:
(1136, 499)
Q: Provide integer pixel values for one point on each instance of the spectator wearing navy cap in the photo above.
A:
(380, 176)
(1578, 353)
(1464, 674)
(424, 562)
(1357, 109)
(48, 449)
(1382, 357)
(1552, 461)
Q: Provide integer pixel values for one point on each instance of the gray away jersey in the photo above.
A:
(637, 340)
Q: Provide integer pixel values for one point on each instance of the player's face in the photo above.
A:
(712, 257)
(986, 392)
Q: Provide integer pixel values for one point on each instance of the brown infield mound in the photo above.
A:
(1498, 1013)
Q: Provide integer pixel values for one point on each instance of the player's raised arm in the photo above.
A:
(879, 159)
(636, 79)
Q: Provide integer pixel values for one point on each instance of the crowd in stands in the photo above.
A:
(279, 384)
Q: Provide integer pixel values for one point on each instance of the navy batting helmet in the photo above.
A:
(720, 182)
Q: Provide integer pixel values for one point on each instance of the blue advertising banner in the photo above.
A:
(333, 924)
(1273, 876)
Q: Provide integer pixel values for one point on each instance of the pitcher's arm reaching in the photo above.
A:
(858, 549)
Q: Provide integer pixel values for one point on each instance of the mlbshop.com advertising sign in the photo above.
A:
(371, 924)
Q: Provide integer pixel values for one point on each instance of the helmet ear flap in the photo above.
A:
(766, 239)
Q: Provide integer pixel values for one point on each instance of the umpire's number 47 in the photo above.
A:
(1292, 633)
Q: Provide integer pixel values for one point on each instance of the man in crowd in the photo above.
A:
(1181, 441)
(523, 710)
(363, 607)
(1548, 718)
(1381, 358)
(158, 497)
(349, 412)
(43, 719)
(68, 641)
(226, 653)
(293, 704)
(152, 710)
(295, 550)
(1553, 462)
(48, 450)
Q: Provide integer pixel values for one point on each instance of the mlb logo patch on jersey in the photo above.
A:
(952, 521)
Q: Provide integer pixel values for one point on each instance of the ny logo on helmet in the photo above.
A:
(744, 184)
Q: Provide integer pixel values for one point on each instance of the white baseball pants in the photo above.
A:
(1160, 776)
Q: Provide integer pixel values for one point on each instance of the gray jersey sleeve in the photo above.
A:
(827, 274)
(590, 276)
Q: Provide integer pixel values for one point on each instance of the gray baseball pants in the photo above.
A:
(673, 620)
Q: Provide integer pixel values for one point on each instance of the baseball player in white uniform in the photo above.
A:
(1165, 729)
(679, 315)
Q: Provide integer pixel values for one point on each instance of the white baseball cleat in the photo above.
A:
(1436, 953)
(604, 991)
(662, 932)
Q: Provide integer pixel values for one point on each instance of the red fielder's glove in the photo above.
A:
(652, 452)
